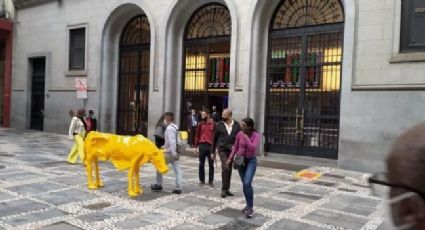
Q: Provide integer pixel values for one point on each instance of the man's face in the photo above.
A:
(225, 115)
(193, 112)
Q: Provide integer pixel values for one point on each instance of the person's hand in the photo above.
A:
(175, 156)
(228, 162)
(196, 150)
(212, 156)
(71, 138)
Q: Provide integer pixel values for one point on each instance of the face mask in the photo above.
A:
(225, 119)
(204, 118)
(395, 200)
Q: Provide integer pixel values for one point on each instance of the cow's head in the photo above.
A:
(156, 156)
(158, 160)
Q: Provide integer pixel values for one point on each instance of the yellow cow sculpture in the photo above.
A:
(125, 152)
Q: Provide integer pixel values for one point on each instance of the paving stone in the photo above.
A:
(242, 224)
(36, 188)
(133, 223)
(384, 226)
(104, 214)
(337, 219)
(186, 227)
(307, 198)
(34, 217)
(19, 206)
(304, 189)
(71, 180)
(5, 196)
(60, 226)
(153, 217)
(98, 206)
(352, 204)
(292, 225)
(215, 219)
(67, 196)
(272, 204)
(20, 176)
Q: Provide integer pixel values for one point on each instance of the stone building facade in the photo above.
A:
(333, 79)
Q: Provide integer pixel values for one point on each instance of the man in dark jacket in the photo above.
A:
(224, 138)
(192, 123)
(215, 114)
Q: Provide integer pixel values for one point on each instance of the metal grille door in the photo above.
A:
(207, 60)
(133, 96)
(304, 78)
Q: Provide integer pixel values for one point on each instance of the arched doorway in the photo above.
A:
(133, 77)
(206, 62)
(304, 78)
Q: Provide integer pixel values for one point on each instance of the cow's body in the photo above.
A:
(125, 152)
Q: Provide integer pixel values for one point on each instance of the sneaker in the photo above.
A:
(177, 191)
(249, 213)
(228, 193)
(245, 210)
(201, 183)
(211, 184)
(156, 187)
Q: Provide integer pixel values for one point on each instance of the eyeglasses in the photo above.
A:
(380, 186)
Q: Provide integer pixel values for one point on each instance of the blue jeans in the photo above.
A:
(247, 176)
(177, 171)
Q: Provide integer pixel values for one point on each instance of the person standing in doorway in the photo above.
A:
(215, 114)
(203, 140)
(159, 132)
(77, 133)
(192, 122)
(171, 155)
(245, 146)
(224, 138)
(91, 122)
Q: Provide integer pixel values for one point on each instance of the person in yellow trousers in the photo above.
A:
(77, 133)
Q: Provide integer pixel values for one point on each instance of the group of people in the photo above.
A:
(222, 136)
(226, 138)
(79, 127)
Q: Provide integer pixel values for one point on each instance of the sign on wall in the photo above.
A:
(81, 86)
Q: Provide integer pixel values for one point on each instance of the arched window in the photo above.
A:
(210, 21)
(304, 78)
(137, 32)
(301, 13)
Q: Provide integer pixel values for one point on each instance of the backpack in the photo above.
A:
(180, 143)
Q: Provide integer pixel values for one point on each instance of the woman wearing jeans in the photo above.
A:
(246, 144)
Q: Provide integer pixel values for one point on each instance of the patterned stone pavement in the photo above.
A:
(39, 190)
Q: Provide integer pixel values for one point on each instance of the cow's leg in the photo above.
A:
(131, 191)
(137, 165)
(137, 188)
(96, 165)
(89, 168)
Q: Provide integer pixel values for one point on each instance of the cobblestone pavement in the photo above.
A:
(38, 189)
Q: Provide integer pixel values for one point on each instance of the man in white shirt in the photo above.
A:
(171, 154)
